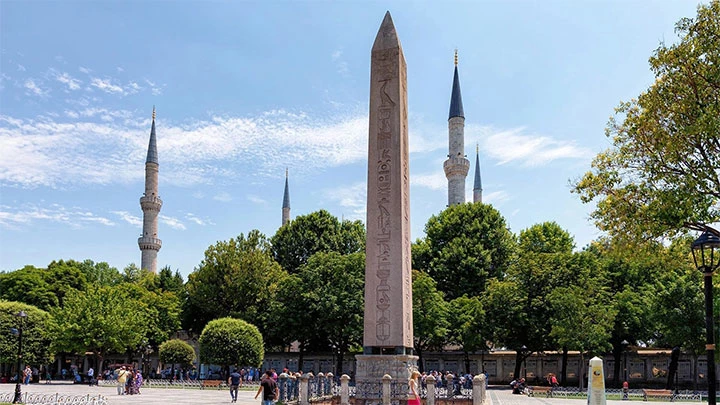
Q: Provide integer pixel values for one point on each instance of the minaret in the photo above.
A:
(456, 166)
(151, 204)
(477, 186)
(286, 201)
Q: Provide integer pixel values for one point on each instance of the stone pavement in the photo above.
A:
(506, 397)
(214, 396)
(147, 396)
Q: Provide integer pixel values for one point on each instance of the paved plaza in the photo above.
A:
(214, 396)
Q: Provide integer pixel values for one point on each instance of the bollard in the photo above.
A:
(329, 382)
(303, 392)
(345, 389)
(283, 387)
(320, 384)
(478, 390)
(430, 384)
(386, 379)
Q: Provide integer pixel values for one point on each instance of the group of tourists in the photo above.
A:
(128, 380)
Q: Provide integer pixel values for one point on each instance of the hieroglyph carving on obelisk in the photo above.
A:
(388, 284)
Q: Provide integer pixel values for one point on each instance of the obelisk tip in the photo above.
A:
(387, 36)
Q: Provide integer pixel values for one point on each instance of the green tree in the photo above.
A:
(28, 285)
(176, 351)
(37, 338)
(102, 320)
(162, 310)
(468, 327)
(465, 246)
(99, 273)
(334, 285)
(323, 305)
(659, 177)
(547, 237)
(430, 316)
(64, 277)
(236, 278)
(518, 306)
(582, 319)
(229, 341)
(167, 281)
(320, 231)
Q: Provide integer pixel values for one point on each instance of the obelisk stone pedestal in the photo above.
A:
(388, 326)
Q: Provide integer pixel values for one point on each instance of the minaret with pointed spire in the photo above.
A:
(456, 166)
(477, 186)
(286, 201)
(151, 203)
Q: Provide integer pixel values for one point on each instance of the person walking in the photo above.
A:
(122, 377)
(234, 383)
(413, 384)
(27, 373)
(269, 389)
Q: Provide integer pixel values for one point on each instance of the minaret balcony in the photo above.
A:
(456, 166)
(146, 242)
(150, 203)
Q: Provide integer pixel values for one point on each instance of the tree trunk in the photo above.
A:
(563, 367)
(674, 357)
(518, 363)
(467, 361)
(618, 367)
(301, 356)
(341, 358)
(582, 370)
(421, 366)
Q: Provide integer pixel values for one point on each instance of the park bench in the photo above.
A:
(540, 390)
(658, 394)
(211, 384)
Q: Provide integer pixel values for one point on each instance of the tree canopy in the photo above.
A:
(237, 278)
(37, 337)
(176, 351)
(465, 246)
(228, 341)
(660, 177)
(320, 231)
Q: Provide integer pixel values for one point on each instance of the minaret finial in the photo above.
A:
(286, 172)
(456, 57)
(154, 107)
(477, 148)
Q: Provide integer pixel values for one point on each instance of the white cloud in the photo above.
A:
(33, 88)
(172, 222)
(495, 197)
(119, 69)
(131, 219)
(21, 68)
(84, 70)
(65, 78)
(529, 150)
(199, 221)
(255, 199)
(106, 86)
(340, 64)
(433, 181)
(14, 217)
(223, 196)
(353, 197)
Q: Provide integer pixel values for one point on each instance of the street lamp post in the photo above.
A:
(625, 344)
(524, 352)
(18, 393)
(703, 251)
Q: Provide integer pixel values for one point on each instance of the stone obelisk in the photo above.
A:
(388, 327)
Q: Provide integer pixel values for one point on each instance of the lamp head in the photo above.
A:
(21, 314)
(704, 252)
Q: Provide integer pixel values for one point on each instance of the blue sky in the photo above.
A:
(245, 89)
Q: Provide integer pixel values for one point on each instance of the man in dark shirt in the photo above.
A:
(234, 383)
(269, 389)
